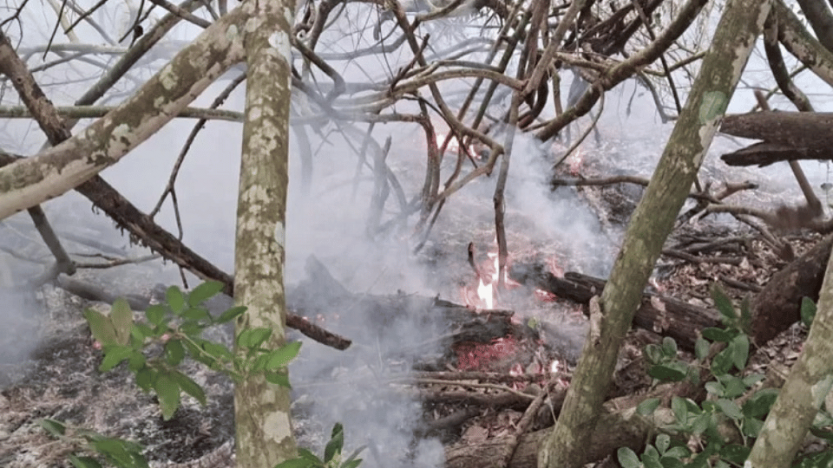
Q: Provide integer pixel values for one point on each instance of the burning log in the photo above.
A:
(391, 320)
(669, 317)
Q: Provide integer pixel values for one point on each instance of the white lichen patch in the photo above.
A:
(280, 234)
(121, 137)
(276, 426)
(280, 41)
(168, 77)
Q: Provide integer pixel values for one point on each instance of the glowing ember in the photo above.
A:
(545, 296)
(476, 356)
(555, 269)
(555, 367)
(575, 161)
(453, 144)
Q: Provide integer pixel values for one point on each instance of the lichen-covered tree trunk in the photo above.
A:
(801, 396)
(261, 409)
(740, 25)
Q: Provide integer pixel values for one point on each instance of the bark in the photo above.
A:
(799, 42)
(264, 435)
(59, 169)
(740, 25)
(621, 428)
(787, 136)
(804, 391)
(818, 15)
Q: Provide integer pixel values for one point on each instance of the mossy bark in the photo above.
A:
(650, 225)
(263, 425)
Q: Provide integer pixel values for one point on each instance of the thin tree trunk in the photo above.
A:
(804, 391)
(650, 225)
(261, 409)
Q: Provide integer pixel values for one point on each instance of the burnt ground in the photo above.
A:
(61, 381)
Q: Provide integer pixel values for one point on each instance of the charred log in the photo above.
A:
(664, 315)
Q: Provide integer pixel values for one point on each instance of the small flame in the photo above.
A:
(555, 366)
(575, 161)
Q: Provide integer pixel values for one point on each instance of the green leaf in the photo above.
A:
(55, 428)
(121, 453)
(175, 300)
(145, 378)
(196, 313)
(189, 386)
(352, 463)
(101, 327)
(278, 378)
(168, 392)
(113, 355)
(701, 348)
(722, 362)
(662, 443)
(669, 347)
(191, 328)
(295, 463)
(145, 330)
(752, 379)
(700, 423)
(84, 462)
(651, 458)
(808, 311)
(648, 406)
(816, 460)
(715, 388)
(204, 292)
(723, 304)
(668, 373)
(740, 351)
(217, 350)
(759, 404)
(729, 408)
(253, 337)
(735, 453)
(680, 410)
(752, 427)
(230, 314)
(678, 451)
(137, 361)
(174, 352)
(280, 357)
(307, 455)
(335, 444)
(122, 319)
(717, 335)
(155, 313)
(734, 386)
(671, 462)
(627, 458)
(653, 353)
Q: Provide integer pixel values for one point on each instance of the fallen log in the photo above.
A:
(663, 315)
(778, 305)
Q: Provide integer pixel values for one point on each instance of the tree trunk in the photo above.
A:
(740, 25)
(804, 391)
(263, 427)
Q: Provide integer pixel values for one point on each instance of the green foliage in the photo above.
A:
(156, 347)
(106, 450)
(332, 454)
(701, 422)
